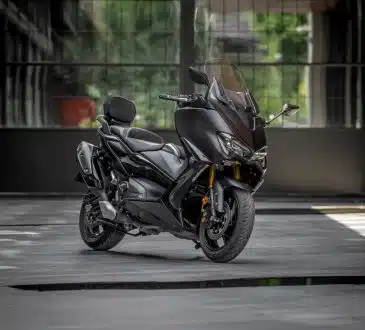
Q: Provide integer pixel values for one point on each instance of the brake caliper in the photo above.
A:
(203, 209)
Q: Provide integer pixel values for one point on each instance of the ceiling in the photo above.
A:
(222, 6)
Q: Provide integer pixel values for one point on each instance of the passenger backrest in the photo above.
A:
(119, 110)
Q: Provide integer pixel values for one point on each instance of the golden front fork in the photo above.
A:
(211, 176)
(236, 171)
(212, 171)
(205, 199)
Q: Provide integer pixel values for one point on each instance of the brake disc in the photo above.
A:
(218, 230)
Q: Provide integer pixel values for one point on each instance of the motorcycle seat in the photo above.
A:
(138, 139)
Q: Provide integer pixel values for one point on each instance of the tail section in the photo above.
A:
(92, 174)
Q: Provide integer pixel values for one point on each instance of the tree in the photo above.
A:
(286, 42)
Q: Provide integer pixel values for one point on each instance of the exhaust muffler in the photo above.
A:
(108, 211)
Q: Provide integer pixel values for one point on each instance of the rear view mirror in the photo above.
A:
(290, 109)
(287, 110)
(198, 77)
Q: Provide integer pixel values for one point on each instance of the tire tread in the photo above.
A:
(106, 241)
(242, 232)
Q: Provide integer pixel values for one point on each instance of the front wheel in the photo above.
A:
(225, 239)
(95, 235)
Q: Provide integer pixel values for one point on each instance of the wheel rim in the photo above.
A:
(218, 230)
(91, 225)
(217, 238)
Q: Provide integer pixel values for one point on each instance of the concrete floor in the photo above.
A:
(328, 307)
(281, 246)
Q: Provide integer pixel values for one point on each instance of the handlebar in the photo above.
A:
(173, 98)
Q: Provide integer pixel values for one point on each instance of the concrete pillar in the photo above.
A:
(17, 104)
(9, 97)
(187, 46)
(28, 86)
(353, 56)
(44, 95)
(2, 73)
(361, 71)
(317, 74)
(336, 82)
(37, 93)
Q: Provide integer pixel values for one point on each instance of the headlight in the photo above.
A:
(233, 147)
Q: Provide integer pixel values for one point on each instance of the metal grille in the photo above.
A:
(300, 52)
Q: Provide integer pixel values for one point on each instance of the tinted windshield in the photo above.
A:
(229, 85)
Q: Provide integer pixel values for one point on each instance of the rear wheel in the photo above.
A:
(95, 235)
(226, 238)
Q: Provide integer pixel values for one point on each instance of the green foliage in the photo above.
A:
(285, 42)
(146, 31)
(134, 33)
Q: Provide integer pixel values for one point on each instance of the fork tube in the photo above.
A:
(205, 199)
(211, 176)
(236, 171)
(211, 185)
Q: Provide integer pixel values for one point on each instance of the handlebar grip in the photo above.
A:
(168, 97)
(172, 98)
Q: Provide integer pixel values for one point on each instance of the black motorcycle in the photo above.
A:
(201, 190)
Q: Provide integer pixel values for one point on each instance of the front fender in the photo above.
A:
(227, 182)
(223, 183)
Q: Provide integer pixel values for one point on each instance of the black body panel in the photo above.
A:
(259, 138)
(175, 195)
(87, 159)
(175, 150)
(136, 165)
(116, 149)
(243, 125)
(143, 189)
(193, 150)
(119, 149)
(199, 127)
(154, 213)
(169, 163)
(227, 182)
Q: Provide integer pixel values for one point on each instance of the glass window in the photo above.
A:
(270, 47)
(130, 47)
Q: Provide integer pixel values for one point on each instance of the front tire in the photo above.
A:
(98, 237)
(237, 234)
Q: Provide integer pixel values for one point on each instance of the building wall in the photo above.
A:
(300, 161)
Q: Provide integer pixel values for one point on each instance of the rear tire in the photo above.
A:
(107, 239)
(239, 233)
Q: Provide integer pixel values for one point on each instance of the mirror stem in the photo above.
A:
(275, 117)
